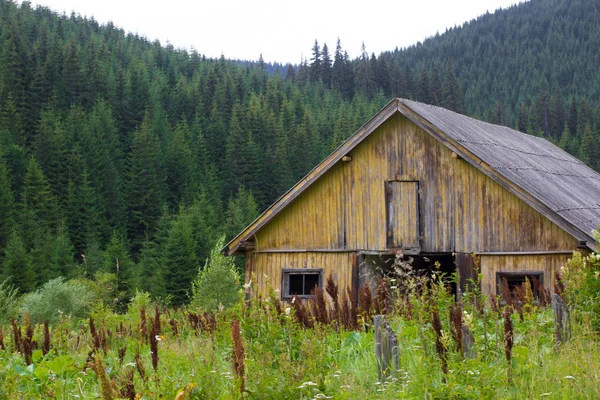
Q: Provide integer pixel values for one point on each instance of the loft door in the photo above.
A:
(403, 225)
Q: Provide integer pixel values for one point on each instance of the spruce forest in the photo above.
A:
(127, 157)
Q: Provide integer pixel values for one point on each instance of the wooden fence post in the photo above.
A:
(386, 348)
(468, 342)
(562, 320)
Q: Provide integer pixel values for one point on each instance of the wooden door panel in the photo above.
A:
(403, 225)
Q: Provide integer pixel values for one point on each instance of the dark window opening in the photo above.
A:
(300, 282)
(514, 286)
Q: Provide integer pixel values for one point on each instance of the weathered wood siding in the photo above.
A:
(546, 263)
(403, 228)
(264, 269)
(461, 209)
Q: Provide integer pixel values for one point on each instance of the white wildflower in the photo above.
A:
(306, 384)
(248, 285)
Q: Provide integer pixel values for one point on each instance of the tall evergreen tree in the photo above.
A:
(316, 63)
(145, 186)
(17, 266)
(452, 94)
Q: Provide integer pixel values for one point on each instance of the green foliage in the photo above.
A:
(582, 280)
(9, 302)
(17, 267)
(104, 132)
(284, 359)
(218, 283)
(56, 298)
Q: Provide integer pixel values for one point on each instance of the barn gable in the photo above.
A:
(533, 183)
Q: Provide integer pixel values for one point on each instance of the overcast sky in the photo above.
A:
(281, 30)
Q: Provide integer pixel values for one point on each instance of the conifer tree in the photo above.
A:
(7, 205)
(590, 148)
(38, 201)
(17, 265)
(180, 261)
(316, 63)
(363, 75)
(435, 87)
(423, 87)
(452, 95)
(241, 211)
(326, 66)
(116, 260)
(145, 186)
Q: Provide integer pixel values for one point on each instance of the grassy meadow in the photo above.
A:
(319, 349)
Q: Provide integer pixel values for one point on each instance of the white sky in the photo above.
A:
(281, 30)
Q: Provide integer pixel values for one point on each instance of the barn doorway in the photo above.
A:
(373, 266)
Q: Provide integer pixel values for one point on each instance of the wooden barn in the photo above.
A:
(436, 186)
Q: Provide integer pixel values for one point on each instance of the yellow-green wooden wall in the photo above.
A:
(462, 209)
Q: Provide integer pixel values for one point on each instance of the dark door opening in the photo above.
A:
(426, 265)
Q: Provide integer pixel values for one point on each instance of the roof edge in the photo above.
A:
(356, 138)
(498, 177)
(394, 106)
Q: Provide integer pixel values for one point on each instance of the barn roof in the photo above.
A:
(553, 182)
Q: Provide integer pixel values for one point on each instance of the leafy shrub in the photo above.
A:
(57, 297)
(582, 278)
(218, 283)
(9, 301)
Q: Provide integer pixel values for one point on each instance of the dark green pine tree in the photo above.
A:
(17, 266)
(59, 257)
(72, 77)
(180, 263)
(590, 148)
(572, 116)
(316, 64)
(145, 186)
(103, 154)
(7, 206)
(11, 121)
(523, 118)
(342, 75)
(241, 211)
(290, 73)
(435, 86)
(179, 166)
(82, 215)
(302, 149)
(585, 113)
(38, 201)
(452, 94)
(116, 260)
(363, 75)
(15, 77)
(423, 87)
(566, 142)
(326, 66)
(149, 274)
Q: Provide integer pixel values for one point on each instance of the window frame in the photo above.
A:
(539, 275)
(285, 281)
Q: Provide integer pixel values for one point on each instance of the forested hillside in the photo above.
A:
(123, 156)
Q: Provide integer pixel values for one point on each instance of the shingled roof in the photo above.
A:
(553, 182)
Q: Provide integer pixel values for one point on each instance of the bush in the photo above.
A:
(58, 297)
(582, 291)
(9, 302)
(218, 284)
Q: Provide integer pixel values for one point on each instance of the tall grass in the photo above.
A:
(312, 349)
